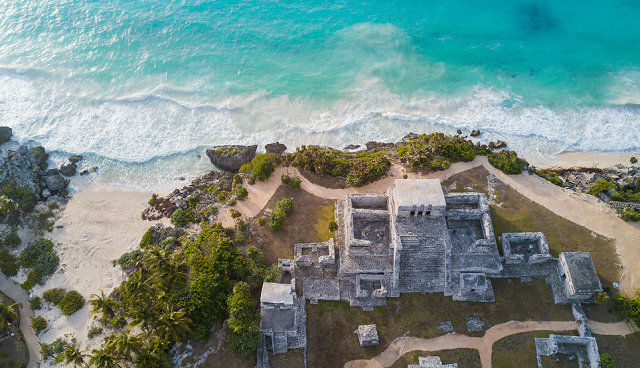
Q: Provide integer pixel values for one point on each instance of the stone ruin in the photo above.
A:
(367, 335)
(584, 348)
(416, 239)
(431, 362)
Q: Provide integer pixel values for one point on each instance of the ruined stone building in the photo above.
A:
(416, 239)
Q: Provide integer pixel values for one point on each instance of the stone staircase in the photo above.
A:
(422, 265)
(280, 344)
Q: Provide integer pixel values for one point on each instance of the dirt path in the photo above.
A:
(483, 344)
(15, 292)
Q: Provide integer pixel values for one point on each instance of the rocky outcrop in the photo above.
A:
(379, 145)
(475, 133)
(68, 169)
(56, 182)
(75, 159)
(5, 134)
(497, 145)
(409, 137)
(351, 147)
(277, 148)
(231, 158)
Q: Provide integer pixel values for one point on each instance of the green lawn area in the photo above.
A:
(467, 358)
(624, 349)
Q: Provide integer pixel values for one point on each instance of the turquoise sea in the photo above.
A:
(140, 88)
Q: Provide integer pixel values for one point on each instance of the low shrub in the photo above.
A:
(8, 263)
(549, 175)
(279, 214)
(54, 349)
(35, 303)
(54, 296)
(242, 232)
(629, 214)
(507, 161)
(147, 238)
(235, 213)
(285, 179)
(601, 186)
(251, 181)
(152, 201)
(38, 323)
(242, 193)
(294, 183)
(232, 202)
(12, 240)
(24, 197)
(42, 258)
(94, 331)
(71, 302)
(262, 166)
(181, 218)
(33, 251)
(333, 226)
(633, 160)
(262, 221)
(127, 260)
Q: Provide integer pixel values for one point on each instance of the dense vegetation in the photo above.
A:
(39, 323)
(69, 302)
(438, 151)
(601, 186)
(629, 306)
(507, 162)
(358, 168)
(606, 361)
(262, 166)
(42, 259)
(549, 175)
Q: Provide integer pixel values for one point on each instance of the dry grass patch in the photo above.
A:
(519, 350)
(623, 349)
(307, 222)
(467, 358)
(292, 359)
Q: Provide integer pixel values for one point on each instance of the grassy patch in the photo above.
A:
(419, 315)
(292, 359)
(308, 221)
(623, 349)
(519, 350)
(13, 352)
(468, 358)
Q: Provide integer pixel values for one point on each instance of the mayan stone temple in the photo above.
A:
(416, 239)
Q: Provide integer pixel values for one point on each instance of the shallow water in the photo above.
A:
(141, 88)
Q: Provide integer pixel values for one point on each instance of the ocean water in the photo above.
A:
(141, 88)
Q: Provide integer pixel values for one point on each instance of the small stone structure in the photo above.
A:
(585, 348)
(283, 322)
(431, 362)
(474, 324)
(579, 276)
(418, 197)
(368, 335)
(524, 248)
(446, 326)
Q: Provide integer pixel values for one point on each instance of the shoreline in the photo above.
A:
(576, 159)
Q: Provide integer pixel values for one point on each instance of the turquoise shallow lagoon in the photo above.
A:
(142, 87)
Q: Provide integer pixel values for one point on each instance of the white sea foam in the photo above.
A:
(148, 142)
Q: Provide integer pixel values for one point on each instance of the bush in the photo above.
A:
(629, 214)
(244, 321)
(333, 226)
(71, 302)
(94, 331)
(437, 151)
(606, 361)
(24, 197)
(507, 162)
(33, 251)
(12, 240)
(278, 215)
(601, 186)
(180, 218)
(242, 193)
(54, 296)
(235, 214)
(294, 183)
(242, 232)
(42, 258)
(549, 175)
(232, 202)
(126, 260)
(152, 201)
(602, 297)
(147, 238)
(38, 323)
(262, 166)
(633, 160)
(251, 181)
(8, 263)
(262, 221)
(285, 179)
(405, 176)
(35, 303)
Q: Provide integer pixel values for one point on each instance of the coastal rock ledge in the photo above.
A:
(231, 157)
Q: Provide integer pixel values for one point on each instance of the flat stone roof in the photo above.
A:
(581, 271)
(273, 293)
(416, 192)
(278, 320)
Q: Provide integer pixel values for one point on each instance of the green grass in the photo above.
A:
(623, 349)
(467, 358)
(519, 350)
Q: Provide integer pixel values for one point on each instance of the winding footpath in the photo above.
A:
(483, 344)
(15, 292)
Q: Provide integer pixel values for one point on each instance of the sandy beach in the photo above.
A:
(582, 159)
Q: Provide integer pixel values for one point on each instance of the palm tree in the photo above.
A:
(8, 313)
(105, 304)
(73, 355)
(173, 269)
(103, 359)
(125, 345)
(138, 289)
(173, 326)
(143, 316)
(148, 359)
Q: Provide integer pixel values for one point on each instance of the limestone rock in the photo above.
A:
(276, 148)
(409, 137)
(68, 169)
(459, 132)
(75, 159)
(497, 145)
(351, 147)
(38, 156)
(231, 157)
(56, 182)
(379, 145)
(5, 134)
(475, 133)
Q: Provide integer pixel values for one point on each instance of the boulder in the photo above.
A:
(46, 193)
(5, 134)
(379, 145)
(230, 157)
(409, 137)
(38, 156)
(475, 133)
(56, 182)
(276, 148)
(351, 147)
(497, 145)
(75, 159)
(459, 132)
(68, 169)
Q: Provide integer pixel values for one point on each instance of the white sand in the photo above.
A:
(584, 159)
(98, 226)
